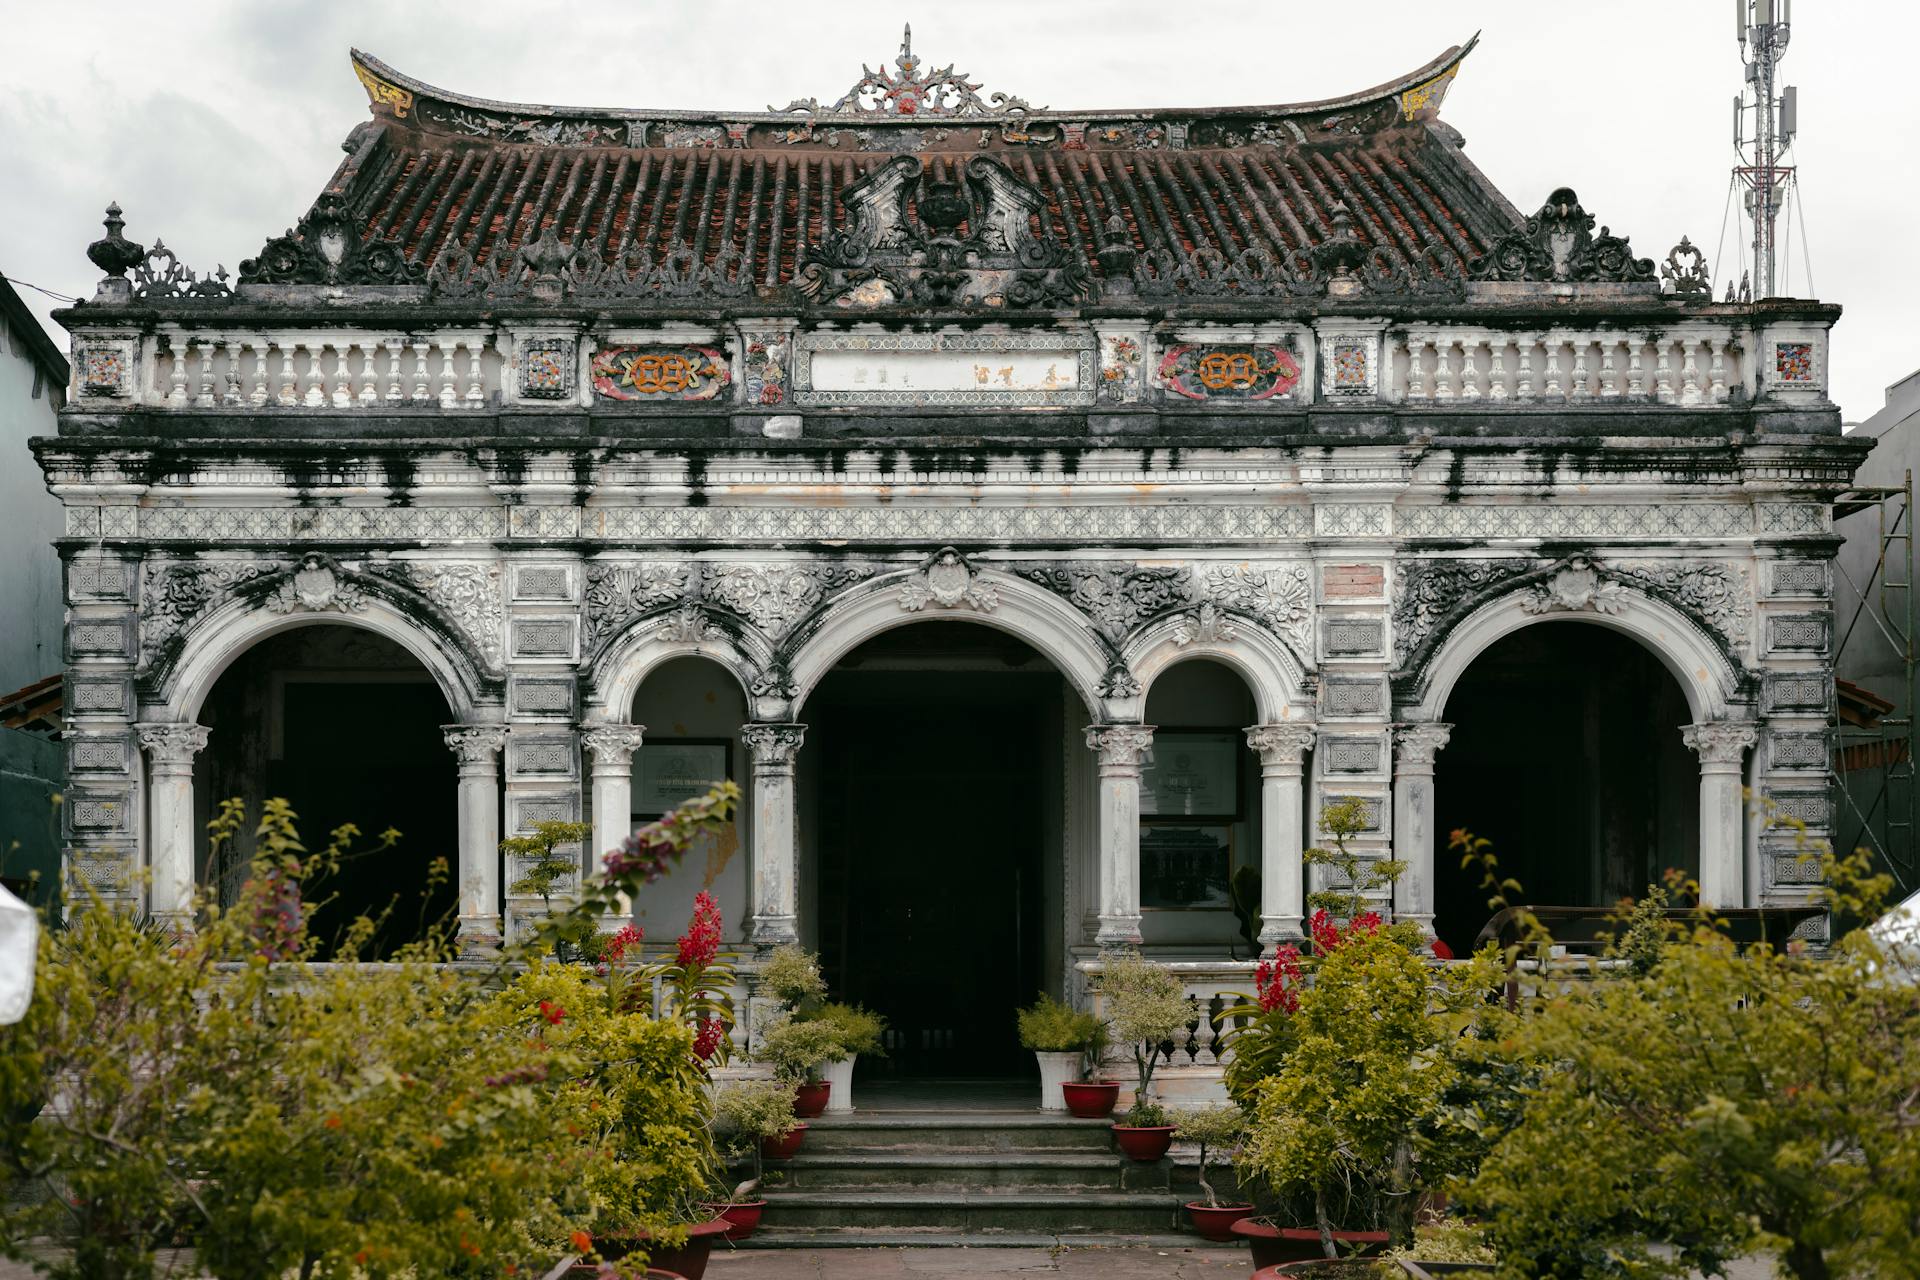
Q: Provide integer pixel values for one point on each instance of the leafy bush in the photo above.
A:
(1054, 1026)
(796, 1049)
(859, 1029)
(792, 975)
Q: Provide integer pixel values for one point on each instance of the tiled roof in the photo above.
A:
(437, 171)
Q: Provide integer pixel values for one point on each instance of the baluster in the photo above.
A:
(316, 374)
(1663, 372)
(1442, 370)
(1636, 370)
(1579, 390)
(1554, 391)
(419, 372)
(1416, 373)
(1469, 373)
(476, 393)
(289, 380)
(394, 389)
(230, 374)
(1717, 372)
(1609, 372)
(1523, 389)
(177, 376)
(342, 376)
(449, 394)
(260, 394)
(369, 381)
(1497, 375)
(204, 398)
(1689, 373)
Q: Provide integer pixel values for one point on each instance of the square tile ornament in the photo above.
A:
(546, 369)
(105, 368)
(1350, 369)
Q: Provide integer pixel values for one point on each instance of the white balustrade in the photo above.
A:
(1691, 366)
(1215, 986)
(360, 372)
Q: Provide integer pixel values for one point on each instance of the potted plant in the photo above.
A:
(1214, 1130)
(1146, 1006)
(749, 1114)
(1065, 1041)
(860, 1031)
(798, 1051)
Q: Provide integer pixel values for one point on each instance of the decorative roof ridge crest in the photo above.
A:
(1417, 94)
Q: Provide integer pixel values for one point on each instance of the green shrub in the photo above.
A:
(1147, 1006)
(1215, 1130)
(1054, 1026)
(858, 1028)
(797, 1050)
(749, 1112)
(792, 975)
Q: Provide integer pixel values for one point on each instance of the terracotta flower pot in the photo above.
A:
(1090, 1099)
(784, 1148)
(1145, 1142)
(1320, 1269)
(690, 1259)
(744, 1216)
(591, 1271)
(810, 1098)
(1215, 1222)
(1273, 1245)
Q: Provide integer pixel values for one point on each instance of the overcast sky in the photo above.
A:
(216, 124)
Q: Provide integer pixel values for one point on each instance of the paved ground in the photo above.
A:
(929, 1264)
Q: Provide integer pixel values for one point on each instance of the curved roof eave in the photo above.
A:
(1427, 86)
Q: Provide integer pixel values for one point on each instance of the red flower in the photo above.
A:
(701, 942)
(1278, 981)
(707, 1037)
(1328, 936)
(581, 1242)
(629, 936)
(552, 1012)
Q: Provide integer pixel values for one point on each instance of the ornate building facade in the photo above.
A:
(1042, 438)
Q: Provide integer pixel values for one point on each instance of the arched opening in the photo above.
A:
(691, 709)
(344, 724)
(1200, 813)
(932, 837)
(1566, 753)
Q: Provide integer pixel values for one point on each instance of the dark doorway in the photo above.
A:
(1566, 753)
(929, 839)
(346, 726)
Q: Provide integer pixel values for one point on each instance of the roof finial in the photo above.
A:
(907, 91)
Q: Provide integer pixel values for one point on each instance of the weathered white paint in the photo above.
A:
(611, 748)
(1721, 746)
(776, 909)
(170, 751)
(1414, 746)
(478, 749)
(1120, 749)
(1282, 749)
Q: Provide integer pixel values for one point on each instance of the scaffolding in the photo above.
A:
(1871, 768)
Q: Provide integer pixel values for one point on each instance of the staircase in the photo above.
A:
(966, 1177)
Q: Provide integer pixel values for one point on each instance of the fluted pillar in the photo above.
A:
(1122, 749)
(612, 747)
(776, 855)
(170, 751)
(1414, 747)
(1721, 745)
(1283, 807)
(477, 747)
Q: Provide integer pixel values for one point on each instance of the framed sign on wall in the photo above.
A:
(1186, 867)
(1194, 773)
(668, 772)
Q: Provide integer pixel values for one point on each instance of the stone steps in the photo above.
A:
(873, 1238)
(931, 1177)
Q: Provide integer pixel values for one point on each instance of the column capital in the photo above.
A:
(1281, 744)
(1720, 742)
(612, 745)
(171, 744)
(1120, 746)
(475, 744)
(1418, 743)
(773, 744)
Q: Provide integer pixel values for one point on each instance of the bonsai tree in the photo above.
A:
(747, 1113)
(1146, 1006)
(1214, 1130)
(797, 1049)
(1054, 1026)
(548, 869)
(791, 975)
(1357, 878)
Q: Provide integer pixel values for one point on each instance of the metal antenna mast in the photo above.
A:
(1763, 28)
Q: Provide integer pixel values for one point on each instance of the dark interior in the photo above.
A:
(929, 841)
(1566, 753)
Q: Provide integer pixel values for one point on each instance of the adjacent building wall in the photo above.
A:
(33, 382)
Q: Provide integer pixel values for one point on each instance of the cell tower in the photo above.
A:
(1764, 26)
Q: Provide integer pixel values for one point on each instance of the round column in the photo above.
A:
(1721, 746)
(1283, 807)
(477, 747)
(612, 747)
(1122, 749)
(170, 751)
(1414, 747)
(776, 854)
